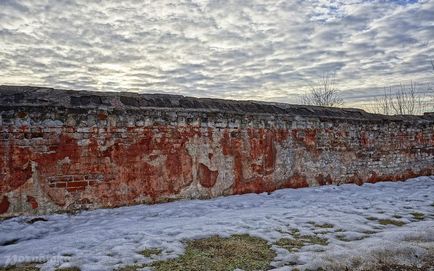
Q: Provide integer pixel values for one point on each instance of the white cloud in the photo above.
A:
(266, 50)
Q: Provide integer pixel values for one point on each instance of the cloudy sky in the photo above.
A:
(238, 49)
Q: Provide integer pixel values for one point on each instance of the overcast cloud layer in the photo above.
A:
(246, 49)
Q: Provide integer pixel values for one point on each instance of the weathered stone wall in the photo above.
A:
(63, 150)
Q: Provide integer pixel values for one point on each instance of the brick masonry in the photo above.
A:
(64, 150)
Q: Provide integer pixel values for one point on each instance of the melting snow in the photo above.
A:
(106, 239)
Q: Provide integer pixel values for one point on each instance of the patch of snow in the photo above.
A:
(107, 239)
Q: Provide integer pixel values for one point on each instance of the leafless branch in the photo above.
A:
(323, 93)
(406, 100)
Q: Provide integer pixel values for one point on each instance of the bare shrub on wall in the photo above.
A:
(402, 100)
(323, 93)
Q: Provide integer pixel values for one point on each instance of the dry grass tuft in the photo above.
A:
(151, 252)
(298, 241)
(394, 222)
(33, 267)
(323, 226)
(21, 267)
(221, 254)
(418, 216)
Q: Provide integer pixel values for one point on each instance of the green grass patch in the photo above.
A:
(394, 222)
(151, 252)
(21, 267)
(290, 244)
(130, 268)
(221, 254)
(323, 226)
(342, 238)
(292, 231)
(295, 232)
(314, 240)
(298, 241)
(32, 267)
(418, 216)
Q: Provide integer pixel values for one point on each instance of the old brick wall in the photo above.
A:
(64, 150)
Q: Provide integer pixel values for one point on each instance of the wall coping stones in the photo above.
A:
(42, 97)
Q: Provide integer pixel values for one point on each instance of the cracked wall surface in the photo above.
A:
(64, 150)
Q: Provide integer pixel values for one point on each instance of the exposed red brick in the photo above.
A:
(102, 116)
(407, 174)
(32, 201)
(324, 180)
(15, 166)
(306, 137)
(77, 184)
(356, 180)
(207, 177)
(60, 185)
(4, 205)
(21, 114)
(364, 141)
(296, 181)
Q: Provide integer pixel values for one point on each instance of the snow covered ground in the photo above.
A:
(109, 238)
